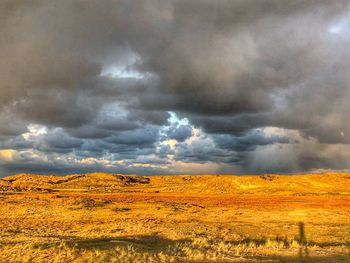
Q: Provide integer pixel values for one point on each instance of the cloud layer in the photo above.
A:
(174, 86)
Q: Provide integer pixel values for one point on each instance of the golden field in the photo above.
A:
(114, 218)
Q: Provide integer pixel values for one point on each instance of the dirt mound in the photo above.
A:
(66, 179)
(268, 177)
(130, 179)
(4, 185)
(77, 182)
(4, 182)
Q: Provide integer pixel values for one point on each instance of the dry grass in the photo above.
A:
(108, 218)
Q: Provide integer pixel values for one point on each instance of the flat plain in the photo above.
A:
(118, 218)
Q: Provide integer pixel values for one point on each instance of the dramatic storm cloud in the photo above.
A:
(167, 87)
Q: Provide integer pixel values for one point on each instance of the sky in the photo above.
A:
(174, 87)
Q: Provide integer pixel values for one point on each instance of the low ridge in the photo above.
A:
(330, 183)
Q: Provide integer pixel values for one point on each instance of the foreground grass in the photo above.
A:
(156, 249)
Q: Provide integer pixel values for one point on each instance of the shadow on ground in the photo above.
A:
(150, 243)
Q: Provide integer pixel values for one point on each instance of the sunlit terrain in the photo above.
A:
(114, 218)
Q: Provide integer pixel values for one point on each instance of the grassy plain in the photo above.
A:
(114, 218)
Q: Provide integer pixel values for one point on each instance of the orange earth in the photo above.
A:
(117, 218)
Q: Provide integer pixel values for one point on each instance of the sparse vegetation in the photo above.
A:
(91, 203)
(176, 219)
(121, 209)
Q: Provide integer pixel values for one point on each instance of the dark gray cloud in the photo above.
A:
(138, 138)
(180, 133)
(249, 141)
(99, 83)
